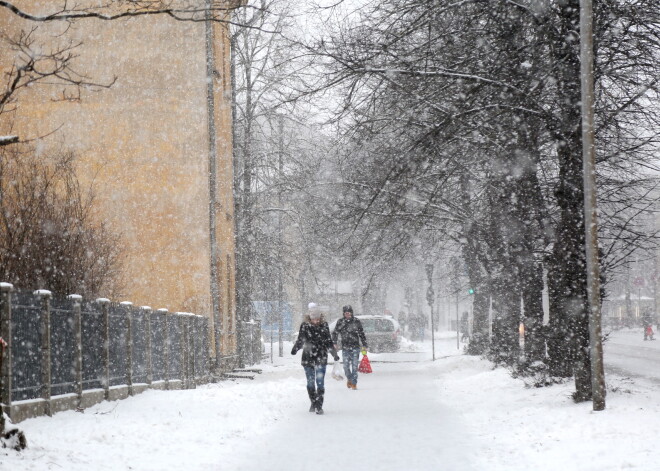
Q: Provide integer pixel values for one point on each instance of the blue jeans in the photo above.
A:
(315, 377)
(351, 358)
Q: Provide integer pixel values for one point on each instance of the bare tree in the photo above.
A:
(51, 60)
(48, 236)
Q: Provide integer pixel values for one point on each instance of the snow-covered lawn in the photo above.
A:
(456, 413)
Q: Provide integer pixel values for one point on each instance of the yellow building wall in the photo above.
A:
(143, 143)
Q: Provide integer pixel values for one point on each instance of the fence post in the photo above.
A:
(166, 349)
(44, 328)
(129, 345)
(5, 347)
(105, 311)
(77, 362)
(146, 313)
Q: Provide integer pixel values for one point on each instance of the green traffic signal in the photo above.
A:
(471, 291)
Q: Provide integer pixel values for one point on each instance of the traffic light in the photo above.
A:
(470, 290)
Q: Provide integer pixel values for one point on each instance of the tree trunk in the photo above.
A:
(568, 276)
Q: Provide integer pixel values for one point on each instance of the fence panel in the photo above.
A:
(118, 344)
(158, 347)
(201, 343)
(63, 347)
(175, 346)
(92, 345)
(26, 346)
(139, 346)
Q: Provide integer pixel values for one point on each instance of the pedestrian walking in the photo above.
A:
(465, 332)
(647, 322)
(352, 336)
(315, 341)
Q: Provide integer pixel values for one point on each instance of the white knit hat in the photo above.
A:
(314, 311)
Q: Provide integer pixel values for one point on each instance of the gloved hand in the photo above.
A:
(336, 357)
(364, 351)
(294, 351)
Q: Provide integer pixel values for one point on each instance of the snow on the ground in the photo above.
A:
(457, 413)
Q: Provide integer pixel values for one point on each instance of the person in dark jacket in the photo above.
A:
(315, 341)
(352, 334)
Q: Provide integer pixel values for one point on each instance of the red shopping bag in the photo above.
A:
(365, 365)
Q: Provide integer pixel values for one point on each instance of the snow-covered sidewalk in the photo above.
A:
(456, 413)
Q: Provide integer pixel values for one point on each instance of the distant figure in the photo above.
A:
(648, 332)
(352, 334)
(647, 322)
(403, 320)
(315, 341)
(465, 331)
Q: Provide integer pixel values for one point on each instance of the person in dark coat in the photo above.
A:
(352, 334)
(315, 341)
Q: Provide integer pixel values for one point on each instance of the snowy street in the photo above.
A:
(188, 187)
(627, 354)
(455, 414)
(395, 419)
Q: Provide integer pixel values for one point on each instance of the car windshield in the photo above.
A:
(369, 325)
(377, 325)
(383, 325)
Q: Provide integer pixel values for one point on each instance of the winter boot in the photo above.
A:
(319, 401)
(349, 385)
(312, 397)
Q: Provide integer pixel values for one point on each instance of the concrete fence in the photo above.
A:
(69, 353)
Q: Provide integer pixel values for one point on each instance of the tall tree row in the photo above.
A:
(464, 119)
(278, 152)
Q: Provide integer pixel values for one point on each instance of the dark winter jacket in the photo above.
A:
(315, 342)
(351, 332)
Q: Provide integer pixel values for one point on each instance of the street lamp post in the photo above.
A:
(429, 298)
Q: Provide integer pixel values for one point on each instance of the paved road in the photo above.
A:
(627, 354)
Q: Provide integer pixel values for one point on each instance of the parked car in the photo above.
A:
(383, 332)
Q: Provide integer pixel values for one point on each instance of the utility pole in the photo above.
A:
(430, 295)
(213, 156)
(280, 290)
(590, 217)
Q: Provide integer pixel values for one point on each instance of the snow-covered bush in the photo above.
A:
(10, 435)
